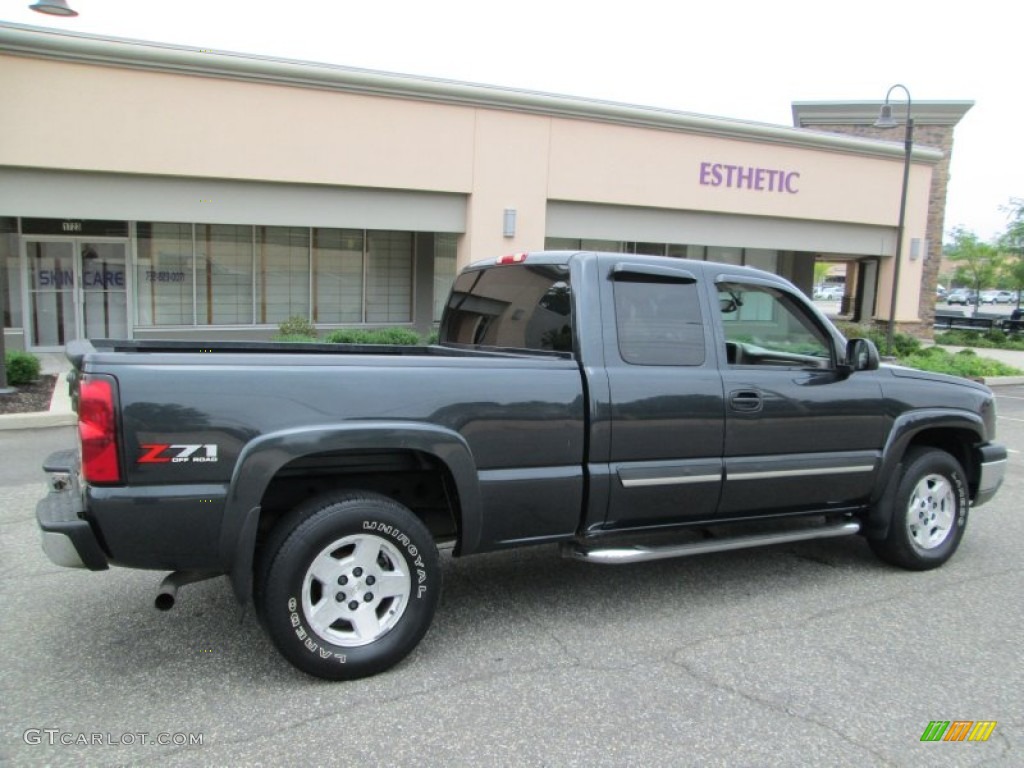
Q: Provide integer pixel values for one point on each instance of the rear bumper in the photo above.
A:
(992, 467)
(67, 538)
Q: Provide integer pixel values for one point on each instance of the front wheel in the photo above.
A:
(929, 513)
(352, 588)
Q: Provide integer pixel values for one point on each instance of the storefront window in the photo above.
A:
(337, 275)
(561, 244)
(612, 246)
(444, 271)
(649, 249)
(282, 273)
(762, 259)
(389, 277)
(163, 274)
(725, 255)
(224, 275)
(10, 272)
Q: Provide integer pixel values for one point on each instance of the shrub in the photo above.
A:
(296, 328)
(913, 354)
(22, 368)
(903, 344)
(965, 363)
(378, 336)
(993, 339)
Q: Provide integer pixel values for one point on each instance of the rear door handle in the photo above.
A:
(746, 400)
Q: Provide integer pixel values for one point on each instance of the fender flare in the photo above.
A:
(904, 429)
(264, 456)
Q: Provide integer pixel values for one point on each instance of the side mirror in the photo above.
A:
(861, 355)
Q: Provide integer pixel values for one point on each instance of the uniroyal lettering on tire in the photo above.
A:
(349, 585)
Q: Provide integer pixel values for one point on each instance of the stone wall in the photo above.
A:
(940, 137)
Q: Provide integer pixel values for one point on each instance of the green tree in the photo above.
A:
(978, 264)
(1013, 238)
(821, 269)
(1011, 244)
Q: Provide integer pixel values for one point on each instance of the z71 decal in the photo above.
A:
(165, 453)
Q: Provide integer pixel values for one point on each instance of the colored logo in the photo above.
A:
(958, 730)
(165, 453)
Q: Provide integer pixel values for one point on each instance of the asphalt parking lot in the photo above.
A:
(806, 654)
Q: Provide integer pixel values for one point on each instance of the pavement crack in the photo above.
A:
(773, 706)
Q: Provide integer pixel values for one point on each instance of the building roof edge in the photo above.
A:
(808, 113)
(39, 42)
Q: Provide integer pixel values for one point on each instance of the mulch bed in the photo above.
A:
(29, 397)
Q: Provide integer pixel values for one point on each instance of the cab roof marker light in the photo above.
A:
(512, 258)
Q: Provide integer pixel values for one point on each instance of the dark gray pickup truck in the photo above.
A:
(585, 399)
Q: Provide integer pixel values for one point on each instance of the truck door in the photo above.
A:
(801, 433)
(666, 415)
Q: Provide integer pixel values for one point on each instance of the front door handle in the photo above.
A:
(746, 400)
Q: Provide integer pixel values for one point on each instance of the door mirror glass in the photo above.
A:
(862, 355)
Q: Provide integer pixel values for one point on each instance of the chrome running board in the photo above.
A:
(639, 554)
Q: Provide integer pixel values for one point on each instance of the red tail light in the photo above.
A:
(97, 431)
(512, 258)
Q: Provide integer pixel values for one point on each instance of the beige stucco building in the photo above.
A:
(159, 191)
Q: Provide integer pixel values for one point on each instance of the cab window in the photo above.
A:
(520, 307)
(658, 322)
(767, 326)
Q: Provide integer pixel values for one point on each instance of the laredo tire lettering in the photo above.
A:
(331, 554)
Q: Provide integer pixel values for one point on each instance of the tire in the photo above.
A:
(929, 512)
(349, 586)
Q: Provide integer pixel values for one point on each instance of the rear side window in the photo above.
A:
(659, 323)
(511, 307)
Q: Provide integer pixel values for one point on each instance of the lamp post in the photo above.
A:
(885, 120)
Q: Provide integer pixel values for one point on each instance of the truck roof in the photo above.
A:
(564, 257)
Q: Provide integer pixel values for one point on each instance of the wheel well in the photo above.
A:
(957, 443)
(417, 481)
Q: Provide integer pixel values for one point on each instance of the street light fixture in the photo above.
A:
(53, 7)
(885, 120)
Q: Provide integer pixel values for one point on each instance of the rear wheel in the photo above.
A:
(350, 587)
(929, 514)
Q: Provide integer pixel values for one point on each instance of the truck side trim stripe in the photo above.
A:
(641, 482)
(800, 472)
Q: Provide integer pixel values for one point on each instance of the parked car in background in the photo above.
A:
(988, 297)
(829, 292)
(1006, 297)
(961, 296)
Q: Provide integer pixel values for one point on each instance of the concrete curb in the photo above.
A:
(1003, 381)
(59, 415)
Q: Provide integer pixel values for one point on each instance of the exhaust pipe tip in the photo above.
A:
(167, 593)
(164, 601)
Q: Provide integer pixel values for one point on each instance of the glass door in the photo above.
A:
(77, 289)
(104, 295)
(51, 275)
